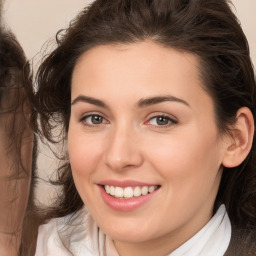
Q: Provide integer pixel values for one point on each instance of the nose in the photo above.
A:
(123, 150)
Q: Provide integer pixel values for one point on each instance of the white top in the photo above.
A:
(80, 236)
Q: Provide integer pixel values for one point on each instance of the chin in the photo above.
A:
(126, 233)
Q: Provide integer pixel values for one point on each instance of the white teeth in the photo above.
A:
(151, 189)
(119, 192)
(144, 190)
(129, 192)
(112, 191)
(107, 188)
(137, 191)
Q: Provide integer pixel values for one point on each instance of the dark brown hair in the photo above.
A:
(205, 28)
(15, 84)
(15, 107)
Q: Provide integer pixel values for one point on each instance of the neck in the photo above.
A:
(139, 249)
(160, 246)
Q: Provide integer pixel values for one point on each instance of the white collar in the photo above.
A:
(78, 235)
(212, 240)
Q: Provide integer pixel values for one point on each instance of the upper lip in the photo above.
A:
(125, 183)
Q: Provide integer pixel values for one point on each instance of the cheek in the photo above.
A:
(190, 160)
(189, 170)
(84, 153)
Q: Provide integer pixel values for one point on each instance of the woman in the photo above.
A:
(156, 100)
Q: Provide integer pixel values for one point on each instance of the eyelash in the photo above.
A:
(171, 121)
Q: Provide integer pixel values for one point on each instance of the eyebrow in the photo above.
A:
(90, 100)
(159, 99)
(141, 103)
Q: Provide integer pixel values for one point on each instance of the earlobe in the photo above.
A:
(241, 139)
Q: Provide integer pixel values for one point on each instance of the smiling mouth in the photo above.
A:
(129, 192)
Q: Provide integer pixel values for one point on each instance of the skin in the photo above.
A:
(184, 156)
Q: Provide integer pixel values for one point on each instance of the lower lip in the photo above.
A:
(125, 205)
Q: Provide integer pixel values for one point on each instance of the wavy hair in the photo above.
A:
(16, 138)
(205, 28)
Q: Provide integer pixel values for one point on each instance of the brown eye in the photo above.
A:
(161, 121)
(96, 119)
(93, 120)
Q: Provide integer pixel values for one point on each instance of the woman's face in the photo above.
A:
(142, 128)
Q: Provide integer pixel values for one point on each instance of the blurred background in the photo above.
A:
(35, 23)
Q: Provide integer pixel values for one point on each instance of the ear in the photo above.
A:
(241, 139)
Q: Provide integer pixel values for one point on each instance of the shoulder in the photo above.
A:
(243, 242)
(75, 234)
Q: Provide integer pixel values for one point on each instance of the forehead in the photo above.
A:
(146, 68)
(145, 53)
